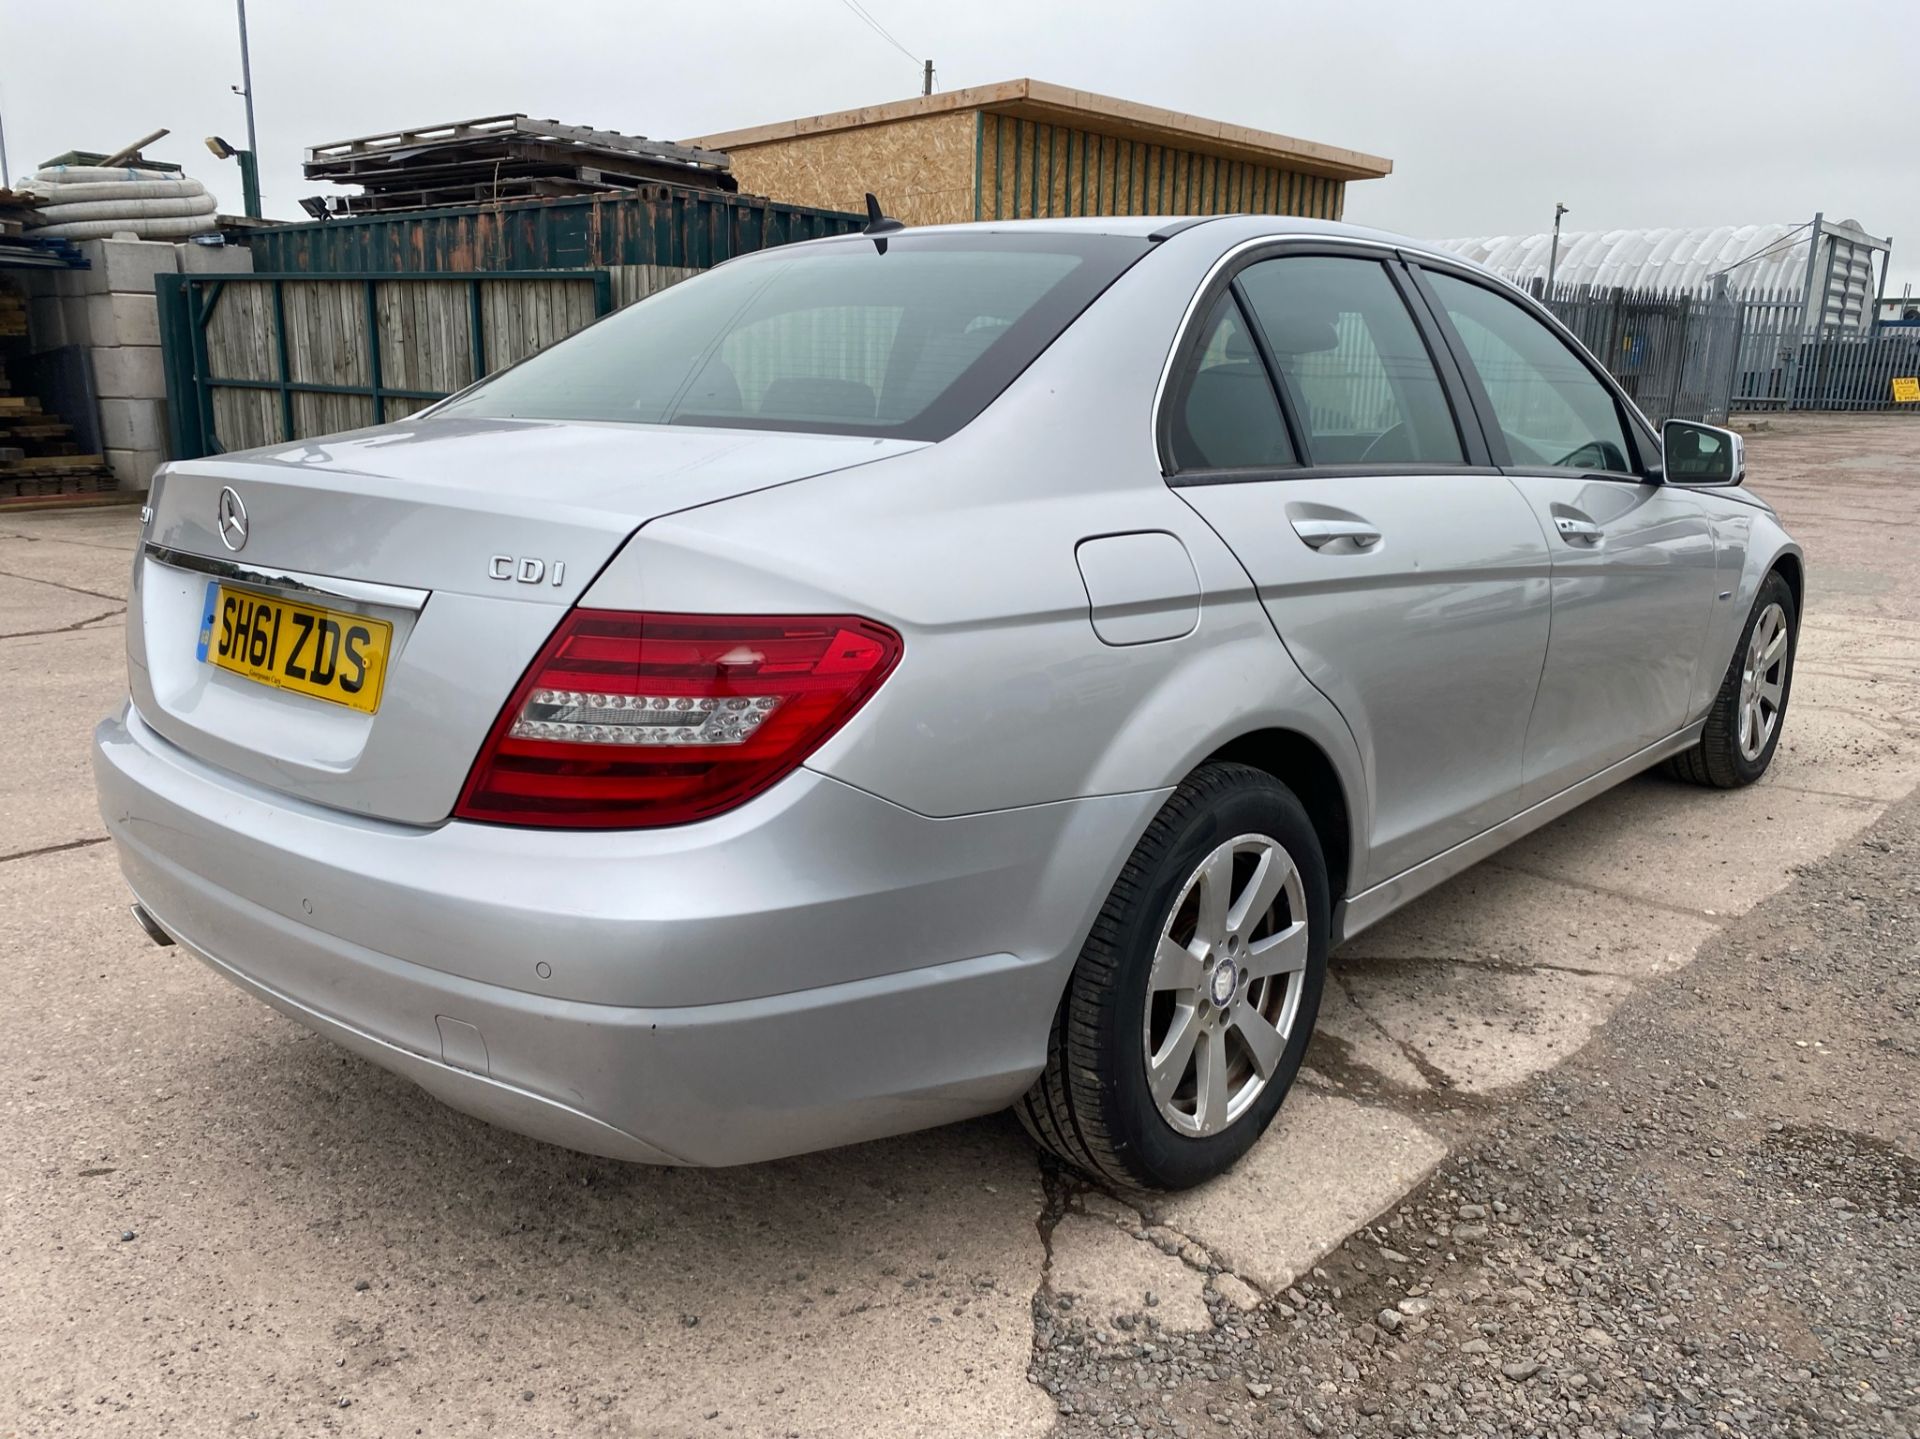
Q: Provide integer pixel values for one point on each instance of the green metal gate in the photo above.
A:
(256, 359)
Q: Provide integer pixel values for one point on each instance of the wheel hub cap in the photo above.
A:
(1225, 985)
(1226, 979)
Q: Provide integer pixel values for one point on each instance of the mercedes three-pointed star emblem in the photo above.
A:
(233, 520)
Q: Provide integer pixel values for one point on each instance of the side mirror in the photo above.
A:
(1696, 454)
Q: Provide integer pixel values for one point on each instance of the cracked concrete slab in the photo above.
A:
(1852, 735)
(102, 569)
(1712, 852)
(1110, 1273)
(57, 687)
(1484, 1029)
(31, 607)
(1327, 1166)
(1500, 916)
(105, 527)
(1352, 1052)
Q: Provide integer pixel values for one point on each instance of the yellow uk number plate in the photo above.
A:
(328, 654)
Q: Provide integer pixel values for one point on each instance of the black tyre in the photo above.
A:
(1189, 1009)
(1743, 727)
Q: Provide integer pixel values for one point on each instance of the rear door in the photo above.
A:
(1633, 559)
(1311, 425)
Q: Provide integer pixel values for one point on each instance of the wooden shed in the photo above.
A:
(1025, 148)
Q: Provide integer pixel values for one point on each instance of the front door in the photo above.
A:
(1408, 579)
(1633, 560)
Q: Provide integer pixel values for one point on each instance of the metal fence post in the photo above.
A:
(285, 355)
(185, 437)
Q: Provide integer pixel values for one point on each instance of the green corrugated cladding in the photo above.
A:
(655, 225)
(1027, 169)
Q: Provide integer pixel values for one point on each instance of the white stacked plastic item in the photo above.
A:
(89, 202)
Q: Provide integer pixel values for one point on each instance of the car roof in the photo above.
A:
(1227, 230)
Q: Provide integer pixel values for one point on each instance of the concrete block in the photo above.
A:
(133, 469)
(133, 424)
(214, 259)
(128, 372)
(123, 320)
(126, 266)
(79, 320)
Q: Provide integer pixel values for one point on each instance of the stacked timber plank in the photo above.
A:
(16, 213)
(38, 454)
(22, 249)
(500, 157)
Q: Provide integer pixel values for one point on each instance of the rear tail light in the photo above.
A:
(628, 721)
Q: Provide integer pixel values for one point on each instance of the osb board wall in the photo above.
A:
(922, 169)
(1029, 168)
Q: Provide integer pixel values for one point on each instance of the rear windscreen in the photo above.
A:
(831, 337)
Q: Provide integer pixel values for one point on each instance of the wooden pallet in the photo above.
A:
(474, 191)
(501, 157)
(494, 128)
(38, 450)
(53, 465)
(28, 492)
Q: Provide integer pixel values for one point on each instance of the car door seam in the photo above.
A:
(1359, 750)
(1546, 652)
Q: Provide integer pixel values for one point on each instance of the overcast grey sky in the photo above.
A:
(1685, 112)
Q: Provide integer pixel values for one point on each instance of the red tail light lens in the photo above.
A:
(629, 721)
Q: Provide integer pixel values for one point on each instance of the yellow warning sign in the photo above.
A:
(1906, 390)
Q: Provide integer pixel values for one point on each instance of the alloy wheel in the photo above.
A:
(1763, 682)
(1225, 986)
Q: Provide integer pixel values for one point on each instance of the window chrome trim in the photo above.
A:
(1204, 290)
(1391, 255)
(1285, 474)
(365, 592)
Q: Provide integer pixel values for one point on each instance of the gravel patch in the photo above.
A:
(1706, 1223)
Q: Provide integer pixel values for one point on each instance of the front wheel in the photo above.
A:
(1743, 727)
(1189, 1009)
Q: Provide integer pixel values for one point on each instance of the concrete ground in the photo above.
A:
(212, 1222)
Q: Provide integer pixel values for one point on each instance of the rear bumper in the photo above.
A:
(816, 968)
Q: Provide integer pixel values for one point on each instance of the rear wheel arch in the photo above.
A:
(1304, 767)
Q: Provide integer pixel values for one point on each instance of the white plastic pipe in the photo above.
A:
(128, 209)
(64, 174)
(90, 202)
(177, 228)
(50, 192)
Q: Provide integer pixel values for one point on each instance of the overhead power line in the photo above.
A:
(865, 17)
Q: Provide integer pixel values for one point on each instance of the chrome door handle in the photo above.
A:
(1318, 534)
(1578, 532)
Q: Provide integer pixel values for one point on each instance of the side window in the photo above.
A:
(1227, 417)
(1363, 386)
(1546, 401)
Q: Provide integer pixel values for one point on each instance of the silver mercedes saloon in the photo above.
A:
(885, 680)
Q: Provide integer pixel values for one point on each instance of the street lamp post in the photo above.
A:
(249, 164)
